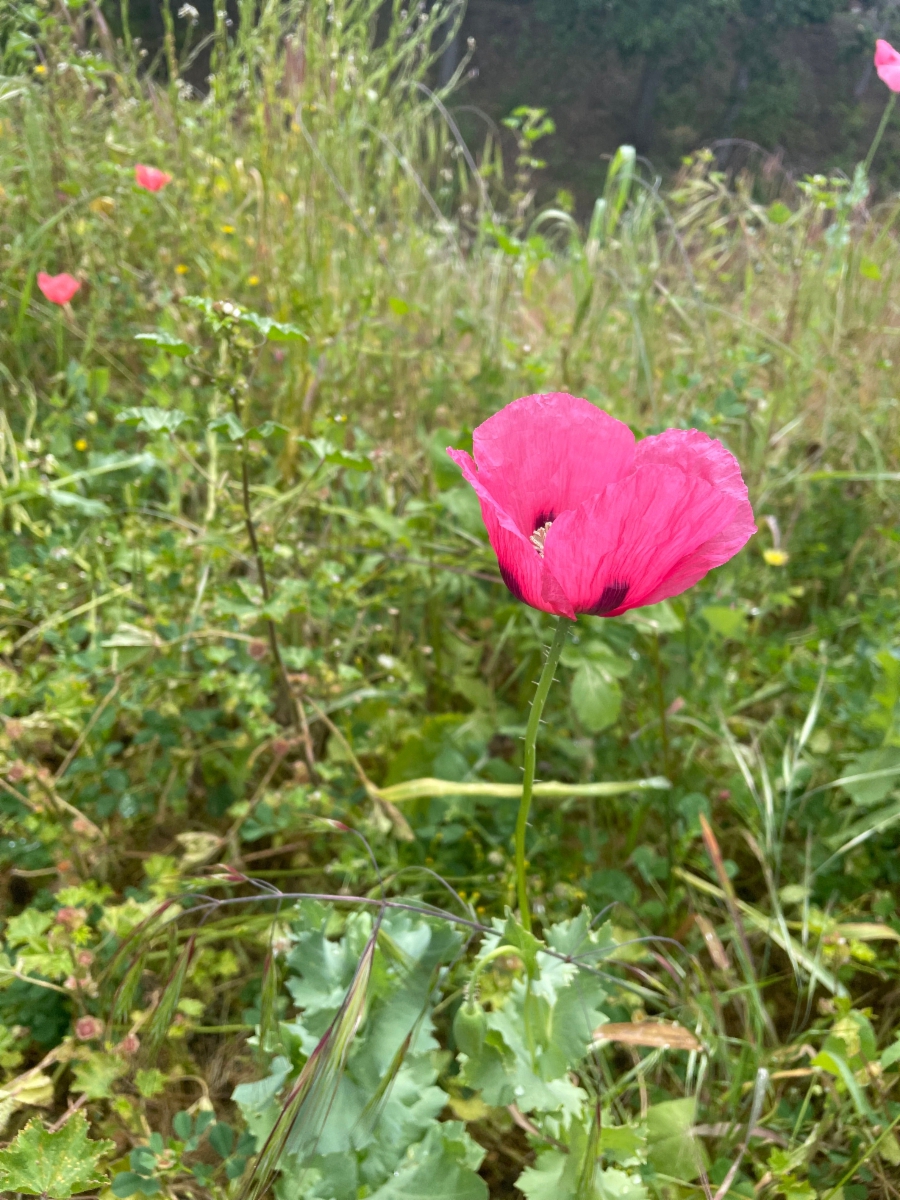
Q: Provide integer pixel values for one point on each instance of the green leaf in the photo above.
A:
(835, 1064)
(654, 618)
(96, 1076)
(274, 331)
(869, 792)
(779, 213)
(671, 1147)
(613, 1184)
(58, 1165)
(515, 934)
(336, 457)
(150, 1081)
(228, 423)
(727, 622)
(221, 1138)
(153, 420)
(266, 429)
(596, 698)
(80, 504)
(441, 1167)
(543, 1180)
(256, 1096)
(129, 1183)
(166, 341)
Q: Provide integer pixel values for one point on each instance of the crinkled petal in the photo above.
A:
(622, 546)
(697, 454)
(544, 454)
(521, 566)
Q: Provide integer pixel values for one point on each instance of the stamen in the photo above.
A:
(539, 536)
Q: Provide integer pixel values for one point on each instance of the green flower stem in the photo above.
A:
(885, 117)
(531, 732)
(497, 952)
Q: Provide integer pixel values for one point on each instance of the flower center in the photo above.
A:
(539, 536)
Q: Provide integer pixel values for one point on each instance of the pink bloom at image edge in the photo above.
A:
(151, 178)
(58, 289)
(887, 64)
(583, 519)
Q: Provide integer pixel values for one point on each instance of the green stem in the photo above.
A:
(486, 960)
(531, 732)
(885, 117)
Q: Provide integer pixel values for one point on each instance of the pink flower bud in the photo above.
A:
(88, 1029)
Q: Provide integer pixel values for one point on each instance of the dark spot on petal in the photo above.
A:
(610, 598)
(511, 581)
(543, 518)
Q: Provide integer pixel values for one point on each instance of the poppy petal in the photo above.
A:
(626, 543)
(521, 567)
(697, 454)
(542, 455)
(887, 64)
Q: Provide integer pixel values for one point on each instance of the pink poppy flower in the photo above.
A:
(58, 289)
(151, 178)
(887, 64)
(584, 520)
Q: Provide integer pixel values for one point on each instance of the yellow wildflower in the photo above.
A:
(81, 444)
(776, 558)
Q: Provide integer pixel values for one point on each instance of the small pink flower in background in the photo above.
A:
(58, 289)
(87, 1029)
(151, 178)
(584, 520)
(130, 1044)
(887, 64)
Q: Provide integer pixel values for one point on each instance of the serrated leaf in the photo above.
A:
(58, 1165)
(596, 697)
(152, 420)
(273, 331)
(441, 1167)
(165, 341)
(95, 1077)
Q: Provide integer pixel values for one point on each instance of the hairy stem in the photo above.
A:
(531, 732)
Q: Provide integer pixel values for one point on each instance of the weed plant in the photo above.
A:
(263, 690)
